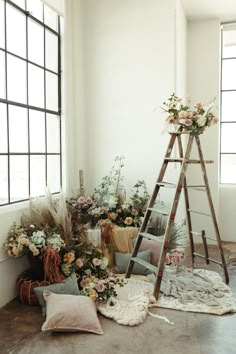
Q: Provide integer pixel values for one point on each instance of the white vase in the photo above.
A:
(94, 237)
(170, 268)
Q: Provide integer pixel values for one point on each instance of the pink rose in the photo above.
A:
(81, 200)
(96, 261)
(128, 221)
(100, 287)
(134, 212)
(199, 105)
(89, 200)
(79, 263)
(188, 122)
(215, 120)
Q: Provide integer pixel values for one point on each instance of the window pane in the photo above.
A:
(37, 176)
(228, 141)
(228, 168)
(18, 129)
(16, 75)
(228, 106)
(19, 178)
(36, 42)
(2, 25)
(2, 75)
(20, 3)
(36, 92)
(3, 180)
(51, 51)
(3, 128)
(36, 8)
(229, 74)
(229, 44)
(50, 18)
(37, 131)
(16, 31)
(53, 133)
(51, 91)
(53, 173)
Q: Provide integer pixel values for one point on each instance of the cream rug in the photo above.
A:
(196, 291)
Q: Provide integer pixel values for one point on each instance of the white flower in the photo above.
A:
(201, 121)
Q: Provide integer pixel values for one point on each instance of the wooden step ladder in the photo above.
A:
(184, 160)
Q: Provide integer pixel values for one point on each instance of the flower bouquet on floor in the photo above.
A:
(94, 277)
(173, 259)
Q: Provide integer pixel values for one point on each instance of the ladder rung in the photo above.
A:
(171, 159)
(198, 212)
(208, 237)
(149, 236)
(166, 184)
(158, 211)
(201, 188)
(144, 264)
(207, 258)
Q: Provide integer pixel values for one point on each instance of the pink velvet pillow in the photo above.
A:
(153, 247)
(71, 313)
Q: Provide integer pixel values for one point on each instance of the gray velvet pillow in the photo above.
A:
(122, 261)
(68, 286)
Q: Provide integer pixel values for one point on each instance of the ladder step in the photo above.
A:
(166, 184)
(200, 235)
(171, 159)
(198, 212)
(149, 236)
(144, 264)
(207, 258)
(200, 188)
(159, 211)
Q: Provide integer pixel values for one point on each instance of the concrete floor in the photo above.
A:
(20, 332)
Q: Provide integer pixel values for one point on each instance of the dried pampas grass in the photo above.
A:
(48, 212)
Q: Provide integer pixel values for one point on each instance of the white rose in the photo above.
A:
(201, 121)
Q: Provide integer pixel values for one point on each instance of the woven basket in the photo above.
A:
(25, 288)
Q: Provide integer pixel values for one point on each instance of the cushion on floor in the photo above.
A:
(71, 313)
(122, 260)
(68, 286)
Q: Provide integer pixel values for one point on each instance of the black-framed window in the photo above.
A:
(30, 100)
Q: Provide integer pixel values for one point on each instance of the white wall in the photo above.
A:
(227, 215)
(10, 268)
(130, 70)
(203, 85)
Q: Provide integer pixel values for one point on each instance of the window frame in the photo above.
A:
(44, 110)
(225, 122)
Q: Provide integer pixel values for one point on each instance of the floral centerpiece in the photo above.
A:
(185, 118)
(129, 213)
(36, 242)
(89, 264)
(22, 240)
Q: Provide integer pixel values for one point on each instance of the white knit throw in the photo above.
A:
(197, 291)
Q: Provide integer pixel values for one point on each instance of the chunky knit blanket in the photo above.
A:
(196, 291)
